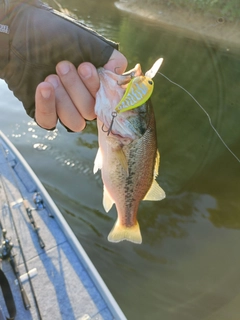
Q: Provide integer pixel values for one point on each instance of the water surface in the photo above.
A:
(188, 265)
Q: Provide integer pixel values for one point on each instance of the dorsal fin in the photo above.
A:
(155, 193)
(157, 163)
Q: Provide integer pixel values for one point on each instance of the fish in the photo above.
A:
(128, 155)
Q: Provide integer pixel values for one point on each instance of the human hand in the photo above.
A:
(70, 95)
(41, 39)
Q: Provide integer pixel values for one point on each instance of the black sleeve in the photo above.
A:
(34, 38)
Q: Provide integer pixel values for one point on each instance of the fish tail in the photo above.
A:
(120, 232)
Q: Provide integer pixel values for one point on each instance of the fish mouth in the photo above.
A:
(127, 76)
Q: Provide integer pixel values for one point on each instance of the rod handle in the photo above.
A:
(26, 302)
(41, 242)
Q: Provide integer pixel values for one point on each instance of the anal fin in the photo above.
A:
(107, 200)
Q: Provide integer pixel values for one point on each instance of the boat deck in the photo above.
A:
(66, 286)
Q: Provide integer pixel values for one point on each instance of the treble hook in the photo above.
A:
(129, 76)
(114, 114)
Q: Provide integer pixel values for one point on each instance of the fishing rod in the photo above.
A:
(20, 247)
(32, 221)
(7, 254)
(26, 204)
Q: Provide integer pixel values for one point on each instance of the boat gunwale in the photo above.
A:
(71, 237)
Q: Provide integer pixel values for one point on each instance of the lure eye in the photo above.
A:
(150, 82)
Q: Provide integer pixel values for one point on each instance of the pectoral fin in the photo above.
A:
(117, 148)
(107, 200)
(155, 193)
(122, 159)
(98, 161)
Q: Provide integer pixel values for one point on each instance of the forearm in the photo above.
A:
(39, 39)
(4, 37)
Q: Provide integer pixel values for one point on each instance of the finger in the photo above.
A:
(117, 62)
(89, 76)
(65, 108)
(80, 96)
(45, 113)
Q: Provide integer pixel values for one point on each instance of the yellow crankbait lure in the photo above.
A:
(139, 90)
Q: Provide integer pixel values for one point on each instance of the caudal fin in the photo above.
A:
(121, 232)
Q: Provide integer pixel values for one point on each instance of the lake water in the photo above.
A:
(187, 267)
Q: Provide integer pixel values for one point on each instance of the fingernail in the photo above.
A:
(45, 93)
(54, 81)
(63, 68)
(85, 71)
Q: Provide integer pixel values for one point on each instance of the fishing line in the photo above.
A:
(206, 113)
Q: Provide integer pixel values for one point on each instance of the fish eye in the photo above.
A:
(150, 82)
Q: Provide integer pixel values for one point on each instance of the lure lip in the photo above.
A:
(156, 66)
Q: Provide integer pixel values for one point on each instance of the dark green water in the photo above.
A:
(188, 265)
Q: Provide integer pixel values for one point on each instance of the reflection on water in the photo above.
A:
(187, 267)
(40, 146)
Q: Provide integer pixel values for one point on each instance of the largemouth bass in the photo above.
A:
(127, 154)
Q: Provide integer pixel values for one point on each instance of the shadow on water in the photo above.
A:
(187, 267)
